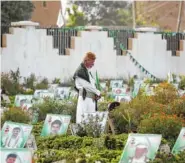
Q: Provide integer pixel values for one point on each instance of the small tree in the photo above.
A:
(76, 18)
(14, 11)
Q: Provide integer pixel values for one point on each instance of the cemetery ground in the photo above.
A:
(160, 112)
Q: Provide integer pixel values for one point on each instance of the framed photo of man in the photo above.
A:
(38, 92)
(25, 107)
(14, 135)
(140, 148)
(118, 91)
(116, 83)
(123, 98)
(21, 99)
(62, 92)
(55, 124)
(137, 85)
(31, 144)
(15, 155)
(180, 142)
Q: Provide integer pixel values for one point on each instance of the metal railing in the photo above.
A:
(62, 37)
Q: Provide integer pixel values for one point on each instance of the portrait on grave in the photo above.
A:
(116, 83)
(31, 143)
(123, 98)
(15, 155)
(140, 148)
(38, 92)
(25, 107)
(62, 92)
(99, 117)
(118, 91)
(21, 99)
(137, 85)
(55, 124)
(14, 135)
(180, 142)
(33, 114)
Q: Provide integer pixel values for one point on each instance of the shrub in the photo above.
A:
(10, 82)
(103, 106)
(182, 83)
(53, 106)
(30, 81)
(165, 93)
(28, 92)
(167, 125)
(92, 127)
(15, 115)
(37, 129)
(127, 116)
(164, 158)
(178, 106)
(43, 84)
(56, 81)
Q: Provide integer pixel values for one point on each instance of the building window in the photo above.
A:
(44, 4)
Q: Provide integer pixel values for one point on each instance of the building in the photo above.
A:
(46, 12)
(163, 13)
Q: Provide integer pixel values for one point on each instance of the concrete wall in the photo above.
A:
(31, 50)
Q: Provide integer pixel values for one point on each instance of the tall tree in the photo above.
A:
(12, 11)
(106, 13)
(76, 18)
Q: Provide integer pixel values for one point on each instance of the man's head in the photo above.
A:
(141, 150)
(55, 126)
(11, 158)
(22, 102)
(89, 60)
(16, 131)
(29, 143)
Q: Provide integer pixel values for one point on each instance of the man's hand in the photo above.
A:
(97, 97)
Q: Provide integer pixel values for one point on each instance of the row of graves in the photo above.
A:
(19, 144)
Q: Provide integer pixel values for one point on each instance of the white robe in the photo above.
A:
(87, 105)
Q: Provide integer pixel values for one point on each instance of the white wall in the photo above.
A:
(31, 50)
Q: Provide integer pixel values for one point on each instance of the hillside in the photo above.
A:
(163, 13)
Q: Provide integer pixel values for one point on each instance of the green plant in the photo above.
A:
(165, 93)
(56, 81)
(43, 84)
(15, 115)
(169, 158)
(92, 127)
(182, 83)
(127, 116)
(56, 107)
(28, 92)
(103, 106)
(178, 106)
(10, 82)
(160, 123)
(29, 81)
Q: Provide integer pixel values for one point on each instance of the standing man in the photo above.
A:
(85, 85)
(15, 140)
